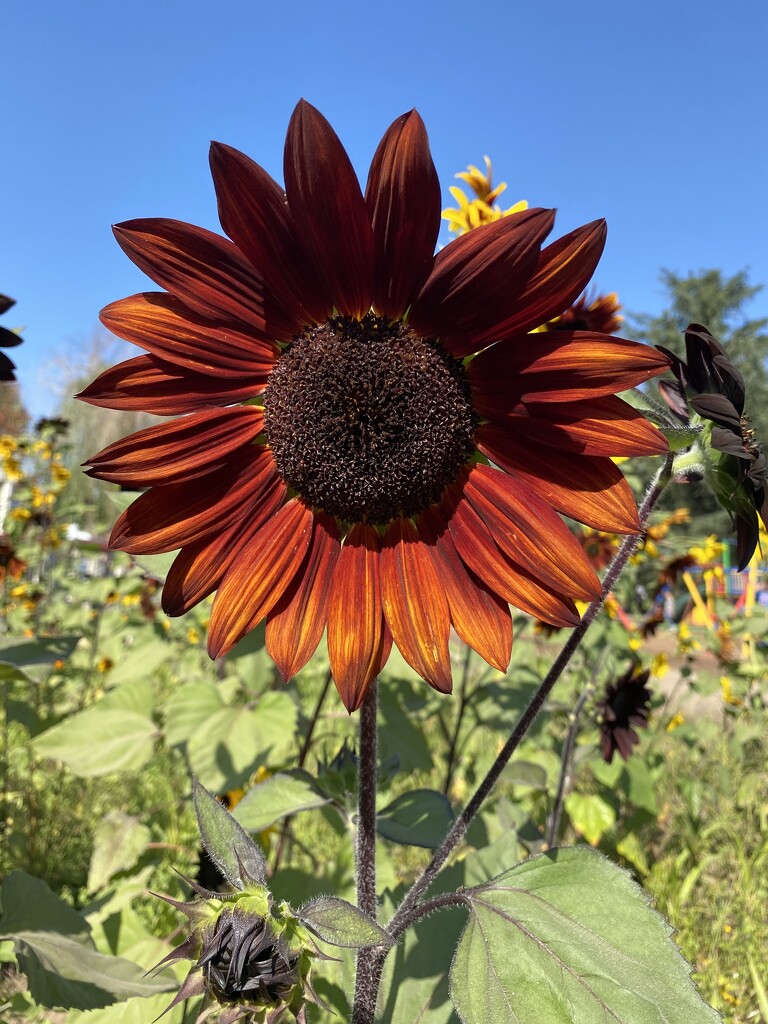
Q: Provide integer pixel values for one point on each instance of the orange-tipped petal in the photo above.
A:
(403, 200)
(476, 278)
(166, 518)
(415, 605)
(530, 533)
(325, 199)
(563, 271)
(264, 568)
(481, 554)
(199, 567)
(254, 213)
(356, 633)
(145, 384)
(181, 450)
(164, 326)
(562, 366)
(296, 623)
(481, 619)
(204, 270)
(589, 489)
(602, 426)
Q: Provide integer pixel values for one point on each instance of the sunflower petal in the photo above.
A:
(263, 569)
(356, 629)
(478, 277)
(181, 450)
(325, 199)
(166, 518)
(601, 426)
(481, 619)
(296, 623)
(562, 366)
(205, 271)
(147, 384)
(415, 605)
(199, 567)
(403, 200)
(530, 533)
(590, 489)
(164, 326)
(255, 215)
(481, 554)
(562, 273)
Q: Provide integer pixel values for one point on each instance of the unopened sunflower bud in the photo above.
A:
(250, 957)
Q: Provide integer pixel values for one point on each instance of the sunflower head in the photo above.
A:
(367, 439)
(623, 709)
(708, 392)
(596, 312)
(8, 339)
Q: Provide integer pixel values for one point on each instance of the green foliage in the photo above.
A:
(567, 935)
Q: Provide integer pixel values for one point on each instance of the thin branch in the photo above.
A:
(566, 760)
(454, 739)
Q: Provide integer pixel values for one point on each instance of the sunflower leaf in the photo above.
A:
(228, 845)
(568, 935)
(338, 922)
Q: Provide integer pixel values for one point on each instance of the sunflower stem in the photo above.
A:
(566, 762)
(367, 977)
(409, 910)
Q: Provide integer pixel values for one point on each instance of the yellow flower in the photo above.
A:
(728, 695)
(611, 606)
(20, 514)
(674, 721)
(60, 474)
(659, 665)
(482, 209)
(685, 642)
(709, 551)
(634, 643)
(193, 637)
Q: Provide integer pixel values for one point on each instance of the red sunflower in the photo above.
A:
(345, 460)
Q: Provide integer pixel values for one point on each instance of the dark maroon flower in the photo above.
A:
(623, 709)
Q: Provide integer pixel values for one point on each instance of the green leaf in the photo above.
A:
(140, 661)
(590, 815)
(228, 845)
(99, 742)
(32, 659)
(189, 707)
(119, 841)
(420, 817)
(232, 743)
(54, 950)
(281, 794)
(524, 773)
(568, 936)
(342, 924)
(632, 849)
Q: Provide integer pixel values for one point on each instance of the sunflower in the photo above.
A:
(624, 708)
(344, 459)
(8, 339)
(709, 392)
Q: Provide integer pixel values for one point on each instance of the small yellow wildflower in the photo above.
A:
(685, 642)
(674, 722)
(193, 637)
(729, 696)
(659, 665)
(611, 606)
(19, 591)
(634, 643)
(710, 551)
(60, 474)
(20, 514)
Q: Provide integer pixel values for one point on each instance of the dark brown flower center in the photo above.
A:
(366, 420)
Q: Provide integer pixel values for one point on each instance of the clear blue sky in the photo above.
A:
(650, 114)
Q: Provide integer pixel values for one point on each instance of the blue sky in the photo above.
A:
(650, 114)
